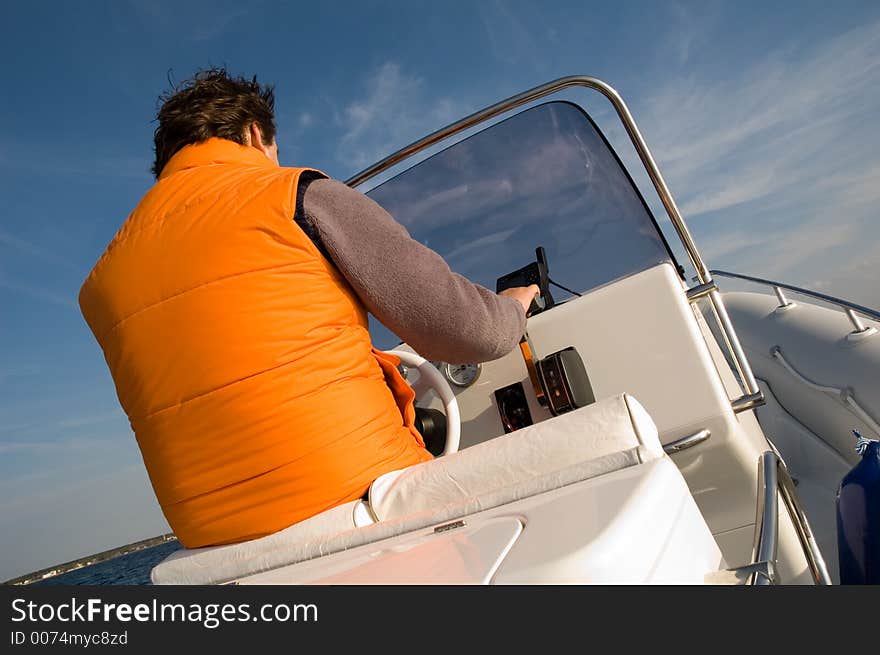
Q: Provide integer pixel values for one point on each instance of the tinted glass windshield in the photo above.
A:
(545, 177)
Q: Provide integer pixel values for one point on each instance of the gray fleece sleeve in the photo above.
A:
(407, 286)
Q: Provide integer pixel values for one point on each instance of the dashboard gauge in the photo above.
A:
(461, 375)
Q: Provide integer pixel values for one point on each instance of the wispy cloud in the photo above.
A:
(855, 279)
(836, 258)
(38, 293)
(49, 164)
(689, 31)
(791, 249)
(779, 124)
(397, 109)
(27, 248)
(18, 371)
(511, 41)
(58, 426)
(196, 20)
(25, 463)
(770, 164)
(58, 520)
(62, 446)
(92, 419)
(215, 24)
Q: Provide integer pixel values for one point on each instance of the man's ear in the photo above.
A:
(253, 137)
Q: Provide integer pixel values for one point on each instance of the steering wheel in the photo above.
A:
(440, 386)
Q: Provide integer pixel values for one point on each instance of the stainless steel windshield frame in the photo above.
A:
(753, 396)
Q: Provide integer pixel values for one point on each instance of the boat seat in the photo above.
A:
(608, 435)
(612, 433)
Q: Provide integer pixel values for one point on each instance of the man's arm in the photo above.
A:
(407, 286)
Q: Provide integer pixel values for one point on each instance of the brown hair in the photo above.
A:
(211, 104)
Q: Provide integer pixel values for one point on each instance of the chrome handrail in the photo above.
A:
(773, 477)
(753, 395)
(687, 442)
(472, 120)
(815, 560)
(850, 308)
(766, 541)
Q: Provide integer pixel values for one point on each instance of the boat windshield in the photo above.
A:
(544, 177)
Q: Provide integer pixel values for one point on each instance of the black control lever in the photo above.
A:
(546, 299)
(537, 273)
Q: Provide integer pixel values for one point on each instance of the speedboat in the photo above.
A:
(651, 428)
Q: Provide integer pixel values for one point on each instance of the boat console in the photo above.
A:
(559, 380)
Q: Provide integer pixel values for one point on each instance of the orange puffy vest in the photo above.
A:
(241, 355)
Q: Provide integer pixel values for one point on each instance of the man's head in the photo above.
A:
(214, 104)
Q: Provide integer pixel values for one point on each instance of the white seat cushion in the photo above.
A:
(198, 565)
(613, 425)
(609, 435)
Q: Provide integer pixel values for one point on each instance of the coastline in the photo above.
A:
(66, 567)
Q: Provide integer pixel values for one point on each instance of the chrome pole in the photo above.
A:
(857, 323)
(766, 540)
(815, 560)
(783, 301)
(739, 356)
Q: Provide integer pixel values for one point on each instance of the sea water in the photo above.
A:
(130, 569)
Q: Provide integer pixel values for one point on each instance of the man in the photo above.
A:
(232, 311)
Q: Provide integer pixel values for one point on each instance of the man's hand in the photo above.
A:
(524, 295)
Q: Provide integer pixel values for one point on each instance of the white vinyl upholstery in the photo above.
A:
(612, 425)
(202, 565)
(606, 436)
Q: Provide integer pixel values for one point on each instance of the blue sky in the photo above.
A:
(762, 116)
